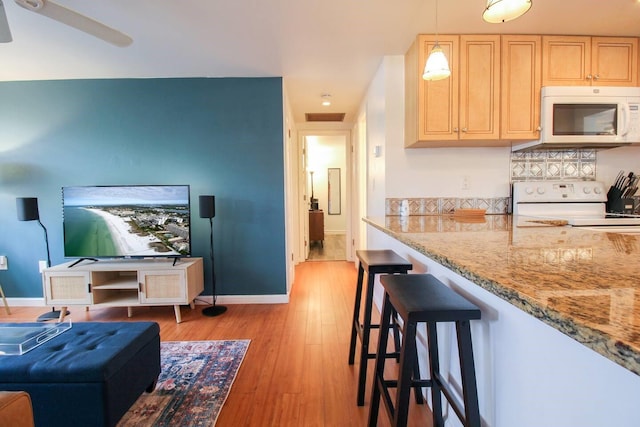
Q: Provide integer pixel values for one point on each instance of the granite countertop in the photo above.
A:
(583, 283)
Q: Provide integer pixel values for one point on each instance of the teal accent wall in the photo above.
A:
(222, 136)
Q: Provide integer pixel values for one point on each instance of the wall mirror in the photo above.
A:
(333, 177)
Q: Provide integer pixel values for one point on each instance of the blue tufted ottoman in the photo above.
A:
(89, 375)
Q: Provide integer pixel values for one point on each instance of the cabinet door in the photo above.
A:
(63, 288)
(316, 226)
(566, 61)
(438, 100)
(520, 87)
(162, 287)
(614, 61)
(479, 87)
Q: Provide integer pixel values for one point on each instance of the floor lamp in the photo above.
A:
(27, 208)
(208, 210)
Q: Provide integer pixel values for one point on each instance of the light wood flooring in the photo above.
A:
(333, 248)
(295, 372)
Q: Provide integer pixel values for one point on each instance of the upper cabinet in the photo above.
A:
(493, 94)
(462, 109)
(520, 87)
(431, 108)
(589, 61)
(479, 115)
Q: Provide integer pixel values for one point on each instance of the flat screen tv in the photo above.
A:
(126, 221)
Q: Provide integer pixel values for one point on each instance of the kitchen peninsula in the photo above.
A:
(559, 341)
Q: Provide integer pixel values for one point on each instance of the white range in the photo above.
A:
(576, 203)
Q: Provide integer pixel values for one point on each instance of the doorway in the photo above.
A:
(327, 177)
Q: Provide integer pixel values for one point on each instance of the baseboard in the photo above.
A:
(243, 299)
(200, 300)
(25, 302)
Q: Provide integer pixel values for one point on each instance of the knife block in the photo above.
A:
(618, 204)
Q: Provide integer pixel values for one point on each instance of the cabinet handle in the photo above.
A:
(596, 77)
(464, 129)
(89, 287)
(589, 77)
(139, 287)
(539, 128)
(455, 129)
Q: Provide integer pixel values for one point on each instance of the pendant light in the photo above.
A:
(498, 11)
(437, 66)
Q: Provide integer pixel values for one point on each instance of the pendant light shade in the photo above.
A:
(498, 11)
(437, 66)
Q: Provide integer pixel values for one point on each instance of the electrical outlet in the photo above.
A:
(3, 263)
(464, 185)
(42, 265)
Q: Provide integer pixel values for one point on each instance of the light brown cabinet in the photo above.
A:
(493, 94)
(520, 87)
(589, 61)
(461, 110)
(316, 226)
(128, 284)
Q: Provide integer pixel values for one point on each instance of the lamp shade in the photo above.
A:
(437, 66)
(27, 208)
(498, 11)
(207, 206)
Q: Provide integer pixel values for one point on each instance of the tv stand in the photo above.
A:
(78, 261)
(124, 283)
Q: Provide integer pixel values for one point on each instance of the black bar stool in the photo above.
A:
(373, 262)
(421, 298)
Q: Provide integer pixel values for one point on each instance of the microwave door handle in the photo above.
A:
(626, 114)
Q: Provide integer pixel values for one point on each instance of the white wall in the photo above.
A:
(610, 162)
(329, 152)
(439, 172)
(376, 111)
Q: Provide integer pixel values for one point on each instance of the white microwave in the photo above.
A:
(587, 117)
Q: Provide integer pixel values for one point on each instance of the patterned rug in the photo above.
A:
(194, 382)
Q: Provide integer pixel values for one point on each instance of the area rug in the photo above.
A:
(194, 382)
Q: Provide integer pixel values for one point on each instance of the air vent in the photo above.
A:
(324, 117)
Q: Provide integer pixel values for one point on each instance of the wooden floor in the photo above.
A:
(333, 248)
(295, 372)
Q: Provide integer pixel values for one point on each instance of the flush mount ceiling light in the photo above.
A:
(437, 66)
(326, 100)
(498, 11)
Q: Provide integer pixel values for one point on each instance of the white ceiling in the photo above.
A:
(318, 46)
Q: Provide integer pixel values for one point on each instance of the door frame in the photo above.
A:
(303, 179)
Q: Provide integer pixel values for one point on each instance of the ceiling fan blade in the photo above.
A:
(76, 20)
(5, 32)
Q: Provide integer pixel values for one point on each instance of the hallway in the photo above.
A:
(332, 249)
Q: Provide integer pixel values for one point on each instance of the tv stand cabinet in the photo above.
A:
(124, 283)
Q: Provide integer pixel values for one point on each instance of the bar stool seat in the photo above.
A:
(374, 262)
(422, 298)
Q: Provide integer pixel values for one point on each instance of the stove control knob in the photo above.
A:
(597, 190)
(586, 190)
(528, 190)
(540, 190)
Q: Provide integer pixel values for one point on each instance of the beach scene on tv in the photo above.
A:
(126, 221)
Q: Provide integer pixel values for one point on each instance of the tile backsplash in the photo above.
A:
(574, 164)
(446, 205)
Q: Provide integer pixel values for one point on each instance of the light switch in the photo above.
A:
(3, 262)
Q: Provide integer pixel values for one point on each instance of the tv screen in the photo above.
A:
(126, 221)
